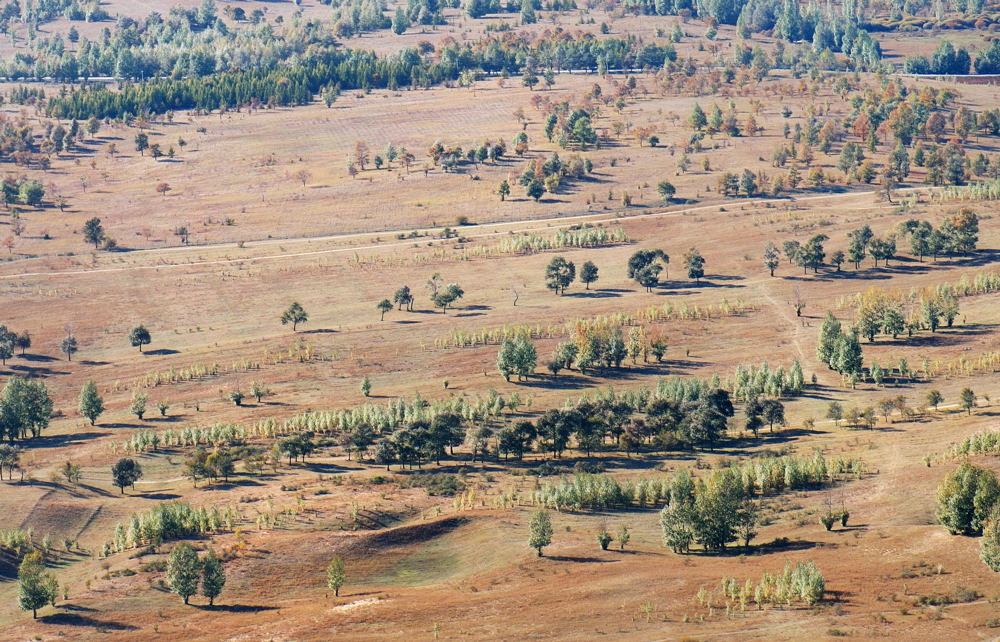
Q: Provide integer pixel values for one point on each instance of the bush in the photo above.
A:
(442, 484)
(604, 538)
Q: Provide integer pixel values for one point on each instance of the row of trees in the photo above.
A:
(957, 235)
(278, 83)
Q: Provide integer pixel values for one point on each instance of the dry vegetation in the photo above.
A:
(274, 216)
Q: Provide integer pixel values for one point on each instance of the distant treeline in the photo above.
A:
(349, 69)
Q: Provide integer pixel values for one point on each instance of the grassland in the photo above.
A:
(427, 566)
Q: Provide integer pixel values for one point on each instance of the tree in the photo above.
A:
(162, 188)
(138, 405)
(540, 530)
(934, 398)
(965, 499)
(141, 143)
(535, 189)
(336, 575)
(295, 315)
(559, 274)
(771, 257)
(503, 190)
(213, 576)
(588, 273)
(366, 386)
(91, 403)
(989, 548)
(666, 190)
(644, 266)
(383, 306)
(93, 232)
(829, 333)
(968, 399)
(139, 336)
(835, 411)
(23, 341)
(447, 296)
(695, 264)
(125, 472)
(402, 297)
(183, 570)
(68, 346)
(36, 587)
(698, 120)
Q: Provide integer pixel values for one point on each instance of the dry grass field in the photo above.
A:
(274, 217)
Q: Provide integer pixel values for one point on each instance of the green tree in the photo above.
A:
(645, 266)
(829, 333)
(965, 499)
(138, 405)
(771, 257)
(588, 273)
(69, 346)
(989, 548)
(666, 190)
(934, 398)
(295, 315)
(93, 232)
(31, 193)
(695, 264)
(125, 473)
(535, 189)
(402, 297)
(559, 274)
(213, 576)
(182, 571)
(36, 587)
(967, 399)
(366, 386)
(697, 119)
(503, 190)
(540, 531)
(336, 575)
(383, 306)
(447, 296)
(139, 336)
(91, 404)
(141, 143)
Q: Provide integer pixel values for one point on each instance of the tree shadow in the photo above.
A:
(161, 351)
(88, 362)
(36, 357)
(319, 331)
(592, 294)
(579, 559)
(51, 441)
(235, 608)
(76, 619)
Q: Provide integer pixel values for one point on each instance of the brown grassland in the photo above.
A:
(274, 217)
